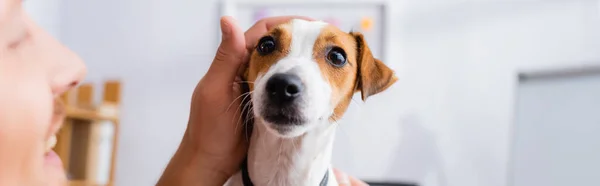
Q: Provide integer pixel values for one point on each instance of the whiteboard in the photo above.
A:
(556, 133)
(367, 17)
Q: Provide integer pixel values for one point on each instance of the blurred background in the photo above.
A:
(491, 92)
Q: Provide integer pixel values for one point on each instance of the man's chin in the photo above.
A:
(54, 170)
(56, 177)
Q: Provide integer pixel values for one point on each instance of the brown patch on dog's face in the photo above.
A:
(259, 63)
(361, 72)
(330, 48)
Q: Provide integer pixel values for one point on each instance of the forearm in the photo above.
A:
(186, 169)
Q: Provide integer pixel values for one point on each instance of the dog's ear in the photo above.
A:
(373, 75)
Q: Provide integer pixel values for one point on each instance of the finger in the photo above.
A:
(229, 56)
(341, 177)
(344, 180)
(356, 182)
(264, 25)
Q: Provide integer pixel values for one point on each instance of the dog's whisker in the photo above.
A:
(234, 100)
(242, 110)
(239, 107)
(238, 117)
(242, 120)
(244, 82)
(235, 115)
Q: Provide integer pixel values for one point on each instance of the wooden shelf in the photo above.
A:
(87, 142)
(77, 183)
(89, 114)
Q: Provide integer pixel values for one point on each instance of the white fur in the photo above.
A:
(300, 156)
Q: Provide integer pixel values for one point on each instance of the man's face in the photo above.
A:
(34, 70)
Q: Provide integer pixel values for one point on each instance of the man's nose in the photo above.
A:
(65, 68)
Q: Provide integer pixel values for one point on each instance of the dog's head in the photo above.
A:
(304, 72)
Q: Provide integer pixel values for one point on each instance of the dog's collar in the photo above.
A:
(247, 182)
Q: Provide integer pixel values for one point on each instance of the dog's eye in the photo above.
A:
(337, 57)
(266, 45)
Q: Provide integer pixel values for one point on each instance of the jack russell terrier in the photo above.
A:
(301, 78)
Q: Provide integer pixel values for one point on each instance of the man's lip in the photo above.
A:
(52, 159)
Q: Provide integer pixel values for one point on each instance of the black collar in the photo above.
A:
(247, 182)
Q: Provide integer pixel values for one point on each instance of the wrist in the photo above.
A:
(188, 167)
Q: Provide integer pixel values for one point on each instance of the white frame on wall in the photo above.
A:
(229, 8)
(582, 69)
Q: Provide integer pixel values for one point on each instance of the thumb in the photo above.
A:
(230, 54)
(342, 178)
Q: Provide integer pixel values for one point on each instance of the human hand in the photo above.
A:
(213, 146)
(344, 180)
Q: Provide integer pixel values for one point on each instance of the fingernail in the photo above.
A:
(225, 29)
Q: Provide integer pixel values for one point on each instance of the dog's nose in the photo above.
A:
(284, 88)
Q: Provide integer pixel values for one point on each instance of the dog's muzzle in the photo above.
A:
(283, 92)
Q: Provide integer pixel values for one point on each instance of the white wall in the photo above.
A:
(160, 49)
(45, 13)
(456, 61)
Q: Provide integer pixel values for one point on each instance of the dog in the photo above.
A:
(301, 78)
